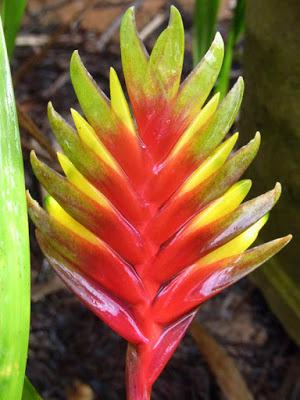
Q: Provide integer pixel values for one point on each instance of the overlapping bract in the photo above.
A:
(148, 221)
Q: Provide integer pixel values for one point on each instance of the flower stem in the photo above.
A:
(137, 385)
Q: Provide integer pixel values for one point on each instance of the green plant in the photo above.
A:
(147, 222)
(11, 12)
(14, 243)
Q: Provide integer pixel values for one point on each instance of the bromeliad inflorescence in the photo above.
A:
(148, 221)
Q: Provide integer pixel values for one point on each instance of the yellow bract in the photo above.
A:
(90, 138)
(222, 206)
(78, 180)
(57, 212)
(237, 245)
(211, 165)
(118, 101)
(205, 114)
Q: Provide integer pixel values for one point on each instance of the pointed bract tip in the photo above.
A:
(50, 109)
(28, 195)
(30, 200)
(34, 161)
(257, 136)
(60, 156)
(174, 9)
(247, 183)
(240, 82)
(240, 79)
(74, 112)
(254, 143)
(277, 191)
(231, 141)
(75, 60)
(113, 76)
(218, 40)
(32, 155)
(282, 242)
(265, 219)
(237, 90)
(215, 98)
(174, 14)
(128, 14)
(127, 24)
(77, 118)
(75, 54)
(234, 137)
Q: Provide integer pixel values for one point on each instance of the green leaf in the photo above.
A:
(221, 121)
(14, 243)
(93, 101)
(12, 12)
(205, 21)
(166, 58)
(198, 85)
(236, 29)
(29, 392)
(133, 53)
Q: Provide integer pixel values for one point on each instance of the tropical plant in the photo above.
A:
(147, 222)
(14, 243)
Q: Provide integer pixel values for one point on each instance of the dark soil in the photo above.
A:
(69, 347)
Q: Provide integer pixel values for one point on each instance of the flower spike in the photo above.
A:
(148, 220)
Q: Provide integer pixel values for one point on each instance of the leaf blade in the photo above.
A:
(14, 243)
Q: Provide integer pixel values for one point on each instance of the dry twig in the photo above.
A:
(33, 130)
(222, 366)
(153, 25)
(40, 291)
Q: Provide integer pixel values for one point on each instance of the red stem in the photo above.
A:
(137, 386)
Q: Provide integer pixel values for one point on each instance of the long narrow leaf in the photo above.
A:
(11, 13)
(236, 29)
(205, 21)
(14, 243)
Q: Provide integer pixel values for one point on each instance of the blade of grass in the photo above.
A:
(29, 392)
(204, 26)
(236, 29)
(14, 243)
(11, 12)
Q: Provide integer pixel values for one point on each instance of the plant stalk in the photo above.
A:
(137, 384)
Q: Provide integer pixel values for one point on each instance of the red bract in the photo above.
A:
(148, 221)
